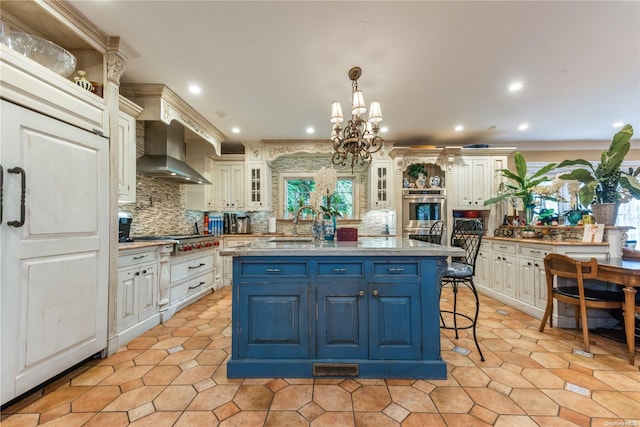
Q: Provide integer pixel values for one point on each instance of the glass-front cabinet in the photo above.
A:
(382, 194)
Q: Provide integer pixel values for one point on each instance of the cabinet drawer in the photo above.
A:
(402, 269)
(190, 287)
(276, 269)
(192, 267)
(233, 243)
(538, 252)
(507, 248)
(341, 269)
(128, 259)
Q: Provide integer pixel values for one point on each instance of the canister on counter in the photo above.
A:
(587, 219)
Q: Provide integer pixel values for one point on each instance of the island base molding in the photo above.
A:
(287, 368)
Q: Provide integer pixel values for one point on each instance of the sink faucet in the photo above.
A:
(297, 215)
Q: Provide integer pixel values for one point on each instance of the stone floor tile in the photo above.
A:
(161, 375)
(463, 420)
(95, 399)
(109, 419)
(292, 397)
(54, 413)
(134, 398)
(412, 399)
(285, 418)
(179, 357)
(332, 398)
(396, 412)
(534, 402)
(92, 376)
(578, 403)
(575, 417)
(553, 421)
(20, 420)
(226, 410)
(311, 411)
(120, 357)
(62, 396)
(277, 384)
(131, 385)
(574, 376)
(126, 375)
(616, 402)
(350, 385)
(157, 419)
(199, 342)
(507, 377)
(194, 375)
(623, 381)
(141, 411)
(174, 398)
(213, 398)
(373, 419)
(150, 357)
(142, 342)
(211, 357)
(449, 399)
(418, 419)
(514, 420)
(483, 414)
(245, 419)
(333, 419)
(196, 419)
(470, 376)
(493, 400)
(253, 397)
(372, 398)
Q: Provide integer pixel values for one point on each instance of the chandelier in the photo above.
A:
(359, 138)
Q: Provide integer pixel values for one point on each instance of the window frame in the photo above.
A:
(284, 176)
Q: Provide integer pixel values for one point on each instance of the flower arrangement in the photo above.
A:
(326, 180)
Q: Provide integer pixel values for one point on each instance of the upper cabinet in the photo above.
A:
(474, 177)
(381, 184)
(258, 180)
(127, 150)
(229, 184)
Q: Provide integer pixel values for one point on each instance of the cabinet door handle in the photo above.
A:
(339, 270)
(375, 293)
(535, 252)
(361, 293)
(274, 270)
(23, 184)
(395, 270)
(139, 257)
(536, 265)
(196, 286)
(197, 266)
(502, 247)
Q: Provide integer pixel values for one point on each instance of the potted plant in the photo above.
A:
(521, 185)
(606, 185)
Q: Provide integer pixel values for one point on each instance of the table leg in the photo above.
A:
(630, 321)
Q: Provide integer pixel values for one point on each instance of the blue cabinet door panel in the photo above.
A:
(274, 319)
(342, 321)
(395, 322)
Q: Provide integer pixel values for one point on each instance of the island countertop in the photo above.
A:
(365, 246)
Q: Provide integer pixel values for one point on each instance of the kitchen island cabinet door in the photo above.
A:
(273, 320)
(342, 321)
(54, 291)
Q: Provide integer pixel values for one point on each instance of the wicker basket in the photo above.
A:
(605, 213)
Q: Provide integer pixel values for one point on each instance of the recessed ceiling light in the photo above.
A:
(310, 130)
(235, 130)
(195, 89)
(515, 86)
(384, 129)
(523, 126)
(459, 128)
(618, 124)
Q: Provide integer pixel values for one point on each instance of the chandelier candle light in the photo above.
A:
(359, 138)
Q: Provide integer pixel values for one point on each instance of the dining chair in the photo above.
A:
(573, 291)
(435, 232)
(467, 234)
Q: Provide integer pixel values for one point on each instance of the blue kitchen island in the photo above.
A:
(367, 309)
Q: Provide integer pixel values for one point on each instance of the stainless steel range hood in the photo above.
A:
(165, 152)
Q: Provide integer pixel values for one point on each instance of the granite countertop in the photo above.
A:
(544, 241)
(365, 246)
(143, 244)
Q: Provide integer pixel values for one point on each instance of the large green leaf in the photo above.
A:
(632, 184)
(582, 175)
(619, 148)
(544, 170)
(587, 193)
(521, 165)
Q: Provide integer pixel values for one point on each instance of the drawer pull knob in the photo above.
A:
(395, 270)
(339, 270)
(361, 293)
(197, 266)
(274, 270)
(375, 293)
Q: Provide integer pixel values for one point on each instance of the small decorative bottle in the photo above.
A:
(82, 81)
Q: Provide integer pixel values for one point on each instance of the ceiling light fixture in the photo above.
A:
(235, 130)
(515, 86)
(359, 138)
(523, 126)
(310, 130)
(618, 124)
(195, 89)
(459, 128)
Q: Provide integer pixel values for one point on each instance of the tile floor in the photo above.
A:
(175, 375)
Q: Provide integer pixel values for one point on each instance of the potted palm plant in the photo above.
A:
(606, 185)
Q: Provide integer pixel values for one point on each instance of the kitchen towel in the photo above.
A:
(272, 224)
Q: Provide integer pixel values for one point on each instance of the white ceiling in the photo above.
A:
(273, 68)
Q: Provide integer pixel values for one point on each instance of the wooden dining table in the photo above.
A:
(625, 273)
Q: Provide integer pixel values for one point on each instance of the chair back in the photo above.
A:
(567, 267)
(435, 233)
(467, 234)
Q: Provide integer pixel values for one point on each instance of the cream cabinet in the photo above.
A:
(127, 150)
(230, 185)
(258, 186)
(503, 263)
(483, 267)
(473, 182)
(55, 246)
(381, 185)
(192, 276)
(201, 197)
(227, 261)
(137, 293)
(532, 281)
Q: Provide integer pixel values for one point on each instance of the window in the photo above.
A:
(297, 187)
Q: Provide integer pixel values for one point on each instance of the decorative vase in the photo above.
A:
(574, 217)
(330, 228)
(605, 213)
(528, 210)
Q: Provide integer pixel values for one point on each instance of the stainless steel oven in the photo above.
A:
(421, 208)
